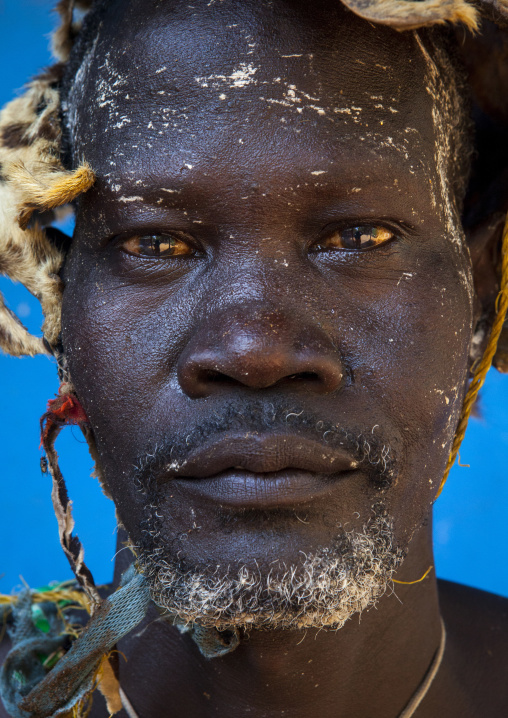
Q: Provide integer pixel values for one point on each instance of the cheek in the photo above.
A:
(121, 343)
(419, 336)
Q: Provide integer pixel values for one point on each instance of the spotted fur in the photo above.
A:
(33, 180)
(65, 34)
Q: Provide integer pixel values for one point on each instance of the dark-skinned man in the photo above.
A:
(271, 309)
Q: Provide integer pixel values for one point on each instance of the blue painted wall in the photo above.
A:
(471, 524)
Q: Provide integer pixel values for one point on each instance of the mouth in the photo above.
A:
(252, 470)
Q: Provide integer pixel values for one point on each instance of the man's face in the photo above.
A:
(268, 304)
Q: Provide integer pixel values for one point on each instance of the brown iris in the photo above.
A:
(159, 246)
(356, 238)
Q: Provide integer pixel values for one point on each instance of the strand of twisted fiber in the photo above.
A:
(411, 14)
(428, 680)
(127, 705)
(70, 543)
(418, 580)
(117, 616)
(486, 361)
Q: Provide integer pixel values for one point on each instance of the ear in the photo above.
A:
(484, 242)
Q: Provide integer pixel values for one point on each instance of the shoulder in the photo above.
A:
(475, 613)
(477, 639)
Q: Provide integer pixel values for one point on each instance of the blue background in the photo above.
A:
(470, 517)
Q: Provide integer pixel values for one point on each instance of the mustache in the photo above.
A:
(366, 445)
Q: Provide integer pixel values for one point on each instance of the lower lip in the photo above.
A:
(243, 489)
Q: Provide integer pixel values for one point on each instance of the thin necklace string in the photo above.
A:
(428, 678)
(127, 705)
(408, 711)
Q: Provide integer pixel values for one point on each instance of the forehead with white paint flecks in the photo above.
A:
(288, 90)
(175, 96)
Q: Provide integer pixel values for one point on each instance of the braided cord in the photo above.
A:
(486, 361)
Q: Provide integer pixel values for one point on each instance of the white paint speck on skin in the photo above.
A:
(130, 199)
(124, 121)
(241, 76)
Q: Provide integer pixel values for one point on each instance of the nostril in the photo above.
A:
(216, 377)
(305, 376)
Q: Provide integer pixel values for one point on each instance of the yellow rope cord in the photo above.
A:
(486, 361)
(52, 596)
(412, 583)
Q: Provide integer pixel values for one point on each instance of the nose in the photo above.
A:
(256, 348)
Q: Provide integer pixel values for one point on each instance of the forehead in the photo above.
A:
(172, 88)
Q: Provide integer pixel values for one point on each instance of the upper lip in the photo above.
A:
(261, 453)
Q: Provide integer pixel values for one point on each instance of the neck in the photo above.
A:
(376, 662)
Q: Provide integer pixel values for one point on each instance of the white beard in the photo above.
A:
(324, 590)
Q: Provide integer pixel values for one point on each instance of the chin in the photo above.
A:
(319, 589)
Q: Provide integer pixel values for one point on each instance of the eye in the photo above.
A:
(356, 238)
(159, 246)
